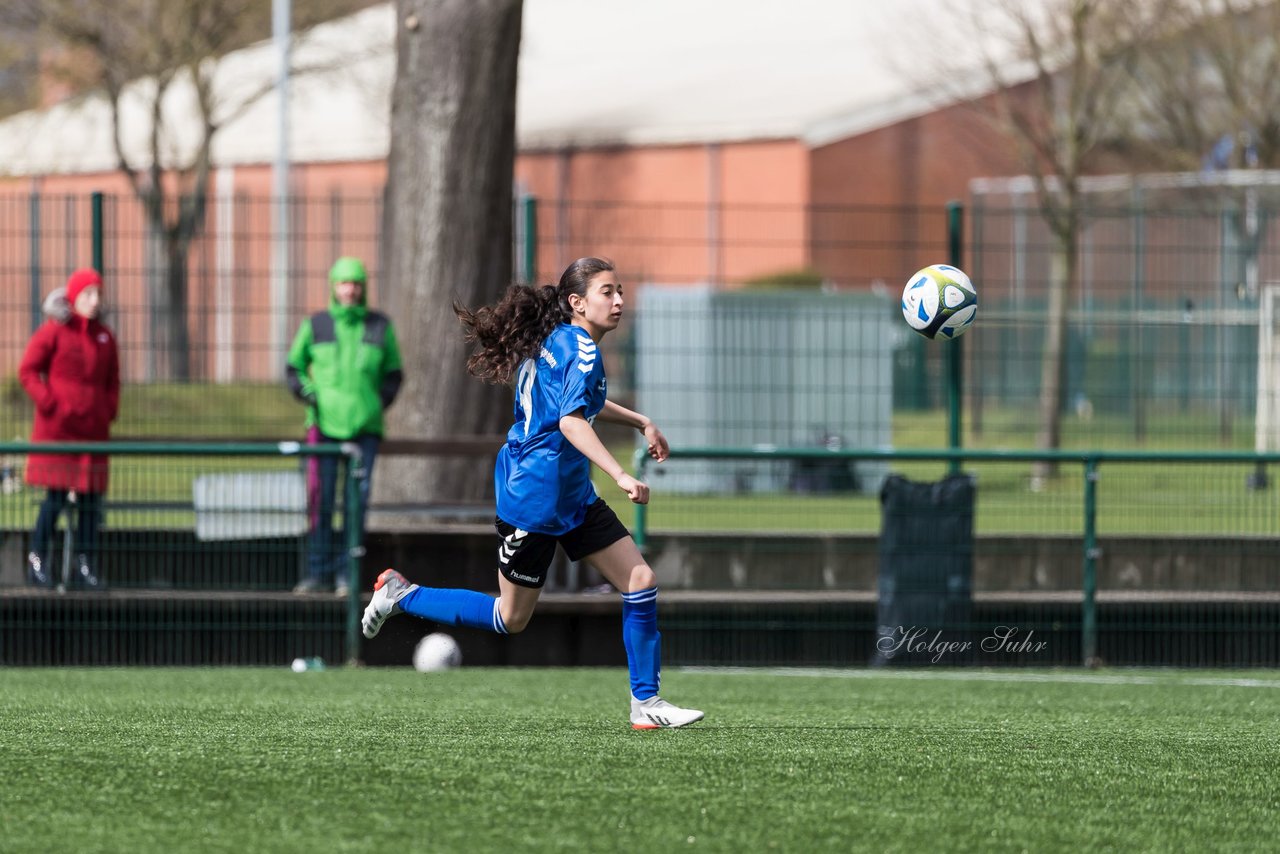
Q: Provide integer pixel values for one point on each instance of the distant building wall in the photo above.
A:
(712, 213)
(718, 213)
(912, 169)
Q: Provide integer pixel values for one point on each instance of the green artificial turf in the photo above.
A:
(542, 759)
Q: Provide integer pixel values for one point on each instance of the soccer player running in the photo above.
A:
(547, 340)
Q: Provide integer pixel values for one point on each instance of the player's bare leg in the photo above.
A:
(516, 603)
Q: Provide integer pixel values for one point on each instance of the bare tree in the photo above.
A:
(139, 52)
(19, 66)
(1058, 73)
(1213, 76)
(1207, 98)
(448, 221)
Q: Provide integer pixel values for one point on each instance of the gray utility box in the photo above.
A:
(784, 369)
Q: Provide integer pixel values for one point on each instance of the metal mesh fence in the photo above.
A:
(1164, 317)
(189, 556)
(1150, 558)
(747, 326)
(1163, 341)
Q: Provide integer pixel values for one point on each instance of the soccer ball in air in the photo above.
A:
(437, 651)
(939, 300)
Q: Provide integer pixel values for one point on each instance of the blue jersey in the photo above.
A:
(542, 481)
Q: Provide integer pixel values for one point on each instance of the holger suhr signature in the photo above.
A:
(920, 639)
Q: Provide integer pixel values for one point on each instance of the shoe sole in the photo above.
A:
(668, 726)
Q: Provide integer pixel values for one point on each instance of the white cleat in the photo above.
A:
(389, 589)
(657, 713)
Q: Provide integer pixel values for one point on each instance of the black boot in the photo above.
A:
(82, 575)
(38, 571)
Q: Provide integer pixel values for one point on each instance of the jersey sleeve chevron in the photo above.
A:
(578, 369)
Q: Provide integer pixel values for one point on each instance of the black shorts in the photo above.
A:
(525, 559)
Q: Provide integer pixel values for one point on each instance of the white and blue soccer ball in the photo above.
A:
(939, 300)
(435, 652)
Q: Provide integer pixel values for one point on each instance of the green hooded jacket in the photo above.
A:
(345, 365)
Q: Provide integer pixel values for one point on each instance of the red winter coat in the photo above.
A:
(72, 372)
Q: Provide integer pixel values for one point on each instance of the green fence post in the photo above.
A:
(955, 361)
(1089, 583)
(33, 212)
(95, 208)
(1136, 348)
(529, 251)
(642, 517)
(356, 474)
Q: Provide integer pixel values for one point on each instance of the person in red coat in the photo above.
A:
(71, 370)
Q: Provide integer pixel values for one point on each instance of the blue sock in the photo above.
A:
(454, 608)
(644, 644)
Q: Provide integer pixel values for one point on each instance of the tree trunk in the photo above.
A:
(169, 356)
(1061, 277)
(177, 320)
(448, 234)
(157, 366)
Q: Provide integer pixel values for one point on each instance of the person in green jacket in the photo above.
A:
(345, 366)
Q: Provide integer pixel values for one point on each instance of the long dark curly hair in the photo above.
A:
(513, 329)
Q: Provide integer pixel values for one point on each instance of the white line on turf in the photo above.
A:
(986, 676)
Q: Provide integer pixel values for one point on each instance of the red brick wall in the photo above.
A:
(653, 210)
(912, 169)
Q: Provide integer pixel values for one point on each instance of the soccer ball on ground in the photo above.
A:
(437, 651)
(939, 300)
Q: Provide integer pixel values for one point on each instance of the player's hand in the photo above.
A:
(658, 447)
(636, 490)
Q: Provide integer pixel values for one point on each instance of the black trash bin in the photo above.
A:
(926, 572)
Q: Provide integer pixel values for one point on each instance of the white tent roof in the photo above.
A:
(660, 72)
